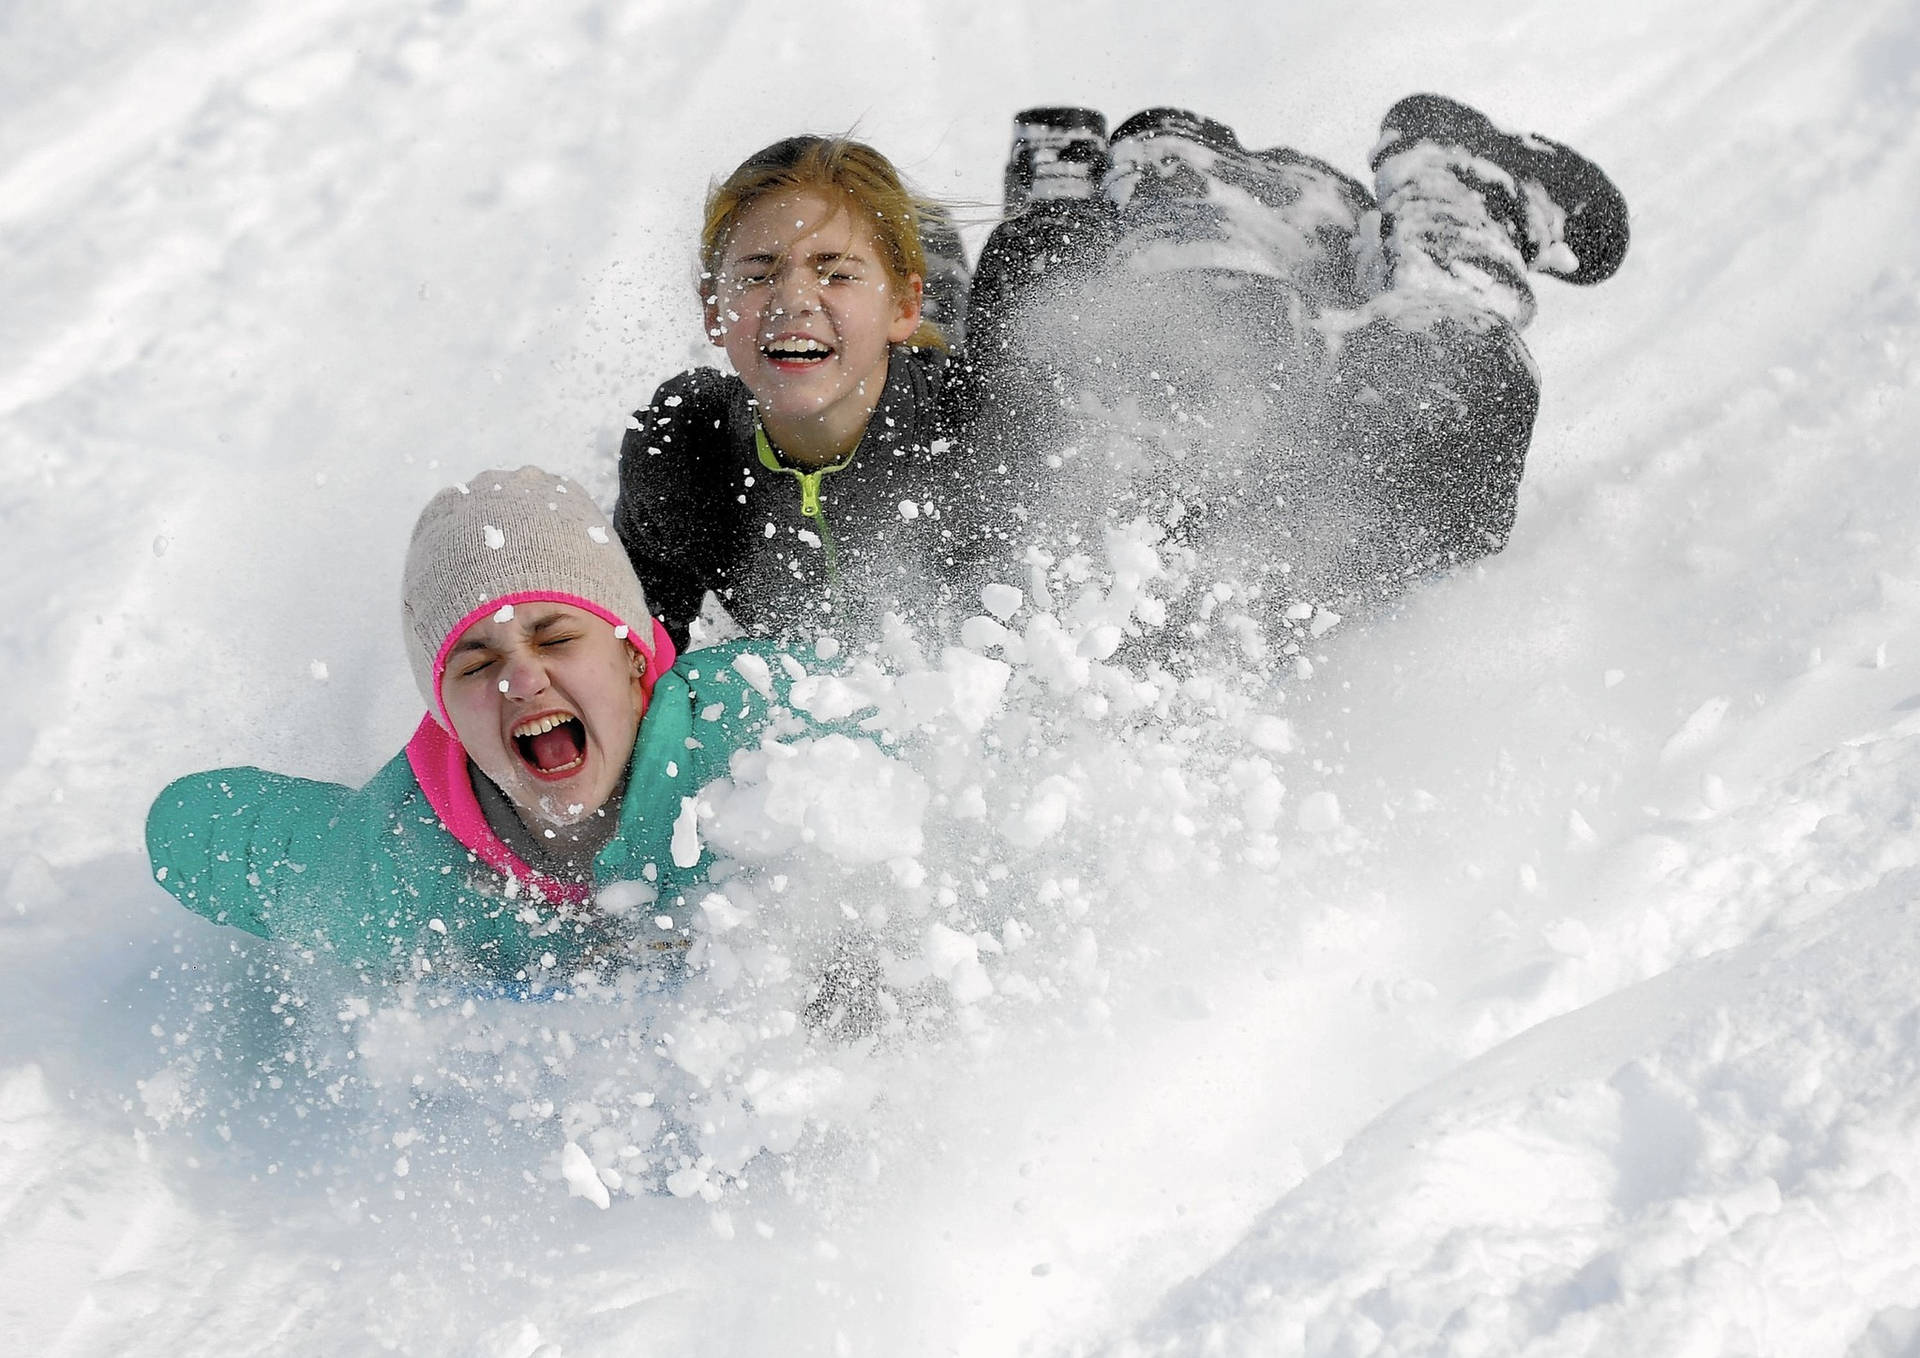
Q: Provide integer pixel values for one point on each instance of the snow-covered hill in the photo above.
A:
(1540, 976)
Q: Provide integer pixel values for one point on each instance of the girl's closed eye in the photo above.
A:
(477, 666)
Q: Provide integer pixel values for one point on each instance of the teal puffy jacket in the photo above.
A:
(376, 879)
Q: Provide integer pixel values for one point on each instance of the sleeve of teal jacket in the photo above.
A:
(230, 843)
(367, 876)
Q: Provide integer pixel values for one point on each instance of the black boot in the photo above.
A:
(1057, 233)
(1058, 153)
(1557, 197)
(1058, 227)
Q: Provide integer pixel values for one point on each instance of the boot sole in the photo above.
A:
(1596, 225)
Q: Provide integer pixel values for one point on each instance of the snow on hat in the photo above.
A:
(510, 537)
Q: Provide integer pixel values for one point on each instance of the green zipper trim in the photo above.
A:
(810, 504)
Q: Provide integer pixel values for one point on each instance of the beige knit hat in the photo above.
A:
(511, 537)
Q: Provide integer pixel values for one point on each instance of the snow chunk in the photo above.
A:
(954, 959)
(618, 898)
(981, 633)
(977, 685)
(755, 670)
(1270, 733)
(1044, 814)
(845, 797)
(826, 697)
(583, 1180)
(686, 834)
(1003, 601)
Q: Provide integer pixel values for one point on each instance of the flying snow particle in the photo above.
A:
(975, 686)
(617, 898)
(583, 1180)
(1271, 733)
(909, 510)
(598, 534)
(980, 632)
(318, 669)
(686, 834)
(756, 672)
(495, 538)
(1099, 642)
(504, 613)
(955, 959)
(1003, 601)
(1044, 814)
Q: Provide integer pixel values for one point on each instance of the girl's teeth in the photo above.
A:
(544, 724)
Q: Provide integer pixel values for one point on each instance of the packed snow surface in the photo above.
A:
(1533, 971)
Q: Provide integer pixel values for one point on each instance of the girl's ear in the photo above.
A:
(908, 320)
(637, 664)
(716, 332)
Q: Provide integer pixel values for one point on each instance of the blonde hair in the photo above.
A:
(835, 167)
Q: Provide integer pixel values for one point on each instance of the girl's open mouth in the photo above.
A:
(798, 351)
(552, 746)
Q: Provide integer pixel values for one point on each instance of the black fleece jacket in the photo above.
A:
(911, 522)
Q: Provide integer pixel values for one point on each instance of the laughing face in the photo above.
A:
(547, 701)
(807, 313)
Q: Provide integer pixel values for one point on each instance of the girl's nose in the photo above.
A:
(524, 677)
(796, 290)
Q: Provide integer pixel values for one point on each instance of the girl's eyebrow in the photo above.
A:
(558, 618)
(818, 258)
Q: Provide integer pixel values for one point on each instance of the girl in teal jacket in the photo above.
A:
(541, 818)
